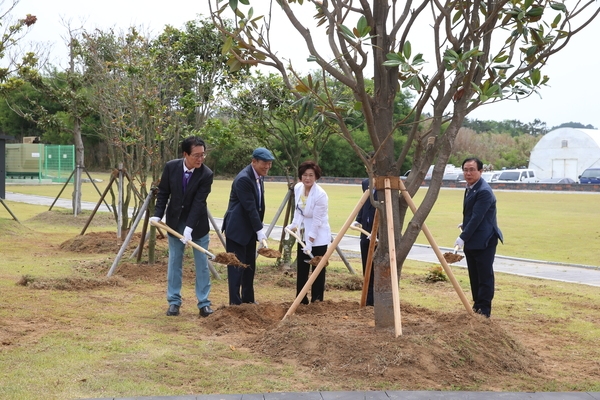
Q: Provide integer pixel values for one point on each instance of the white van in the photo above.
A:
(518, 175)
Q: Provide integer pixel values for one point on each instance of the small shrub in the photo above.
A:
(436, 274)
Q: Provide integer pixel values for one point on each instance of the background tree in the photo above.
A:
(193, 55)
(480, 52)
(64, 89)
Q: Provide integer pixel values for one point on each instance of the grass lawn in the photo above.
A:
(73, 333)
(549, 226)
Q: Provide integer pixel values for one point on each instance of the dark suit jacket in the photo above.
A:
(366, 214)
(189, 207)
(479, 217)
(244, 214)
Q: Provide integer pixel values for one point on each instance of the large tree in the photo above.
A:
(479, 52)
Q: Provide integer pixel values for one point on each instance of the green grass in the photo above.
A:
(550, 226)
(116, 342)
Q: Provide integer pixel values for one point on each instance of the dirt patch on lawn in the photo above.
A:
(339, 340)
(66, 218)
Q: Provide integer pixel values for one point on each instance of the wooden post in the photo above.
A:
(328, 253)
(369, 265)
(392, 252)
(120, 202)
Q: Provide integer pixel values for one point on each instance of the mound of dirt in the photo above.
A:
(105, 242)
(68, 219)
(69, 283)
(337, 339)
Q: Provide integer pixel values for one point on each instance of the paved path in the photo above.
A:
(388, 395)
(582, 274)
(588, 275)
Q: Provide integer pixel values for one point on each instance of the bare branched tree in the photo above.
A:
(480, 52)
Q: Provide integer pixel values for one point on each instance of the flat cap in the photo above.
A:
(262, 154)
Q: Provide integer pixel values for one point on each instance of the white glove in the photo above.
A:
(187, 235)
(261, 235)
(155, 219)
(356, 224)
(459, 242)
(291, 227)
(459, 226)
(307, 248)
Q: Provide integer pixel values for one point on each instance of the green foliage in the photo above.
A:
(502, 150)
(436, 274)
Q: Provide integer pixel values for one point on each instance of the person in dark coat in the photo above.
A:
(184, 186)
(243, 224)
(364, 219)
(479, 236)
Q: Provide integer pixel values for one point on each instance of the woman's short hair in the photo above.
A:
(309, 165)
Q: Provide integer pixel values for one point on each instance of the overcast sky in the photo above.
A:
(572, 94)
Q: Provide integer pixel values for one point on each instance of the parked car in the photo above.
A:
(490, 176)
(518, 175)
(557, 180)
(590, 175)
(451, 176)
(450, 173)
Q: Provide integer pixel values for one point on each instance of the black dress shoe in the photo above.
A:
(173, 310)
(205, 311)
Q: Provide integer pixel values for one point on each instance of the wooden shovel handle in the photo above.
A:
(180, 236)
(294, 234)
(357, 228)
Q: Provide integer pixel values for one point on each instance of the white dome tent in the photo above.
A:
(566, 152)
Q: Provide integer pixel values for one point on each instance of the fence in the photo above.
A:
(40, 161)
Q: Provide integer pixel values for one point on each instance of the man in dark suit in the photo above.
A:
(243, 224)
(365, 218)
(185, 185)
(479, 236)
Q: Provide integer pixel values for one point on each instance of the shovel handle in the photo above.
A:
(358, 228)
(180, 236)
(264, 243)
(294, 234)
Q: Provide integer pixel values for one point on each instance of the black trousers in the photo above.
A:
(241, 279)
(304, 269)
(481, 276)
(364, 252)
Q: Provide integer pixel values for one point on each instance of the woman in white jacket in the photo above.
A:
(311, 218)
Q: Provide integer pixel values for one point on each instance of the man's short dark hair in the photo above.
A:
(477, 160)
(309, 165)
(190, 142)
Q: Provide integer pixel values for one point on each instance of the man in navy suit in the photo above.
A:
(365, 218)
(479, 236)
(185, 185)
(243, 224)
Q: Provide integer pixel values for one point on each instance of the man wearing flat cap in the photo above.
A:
(243, 224)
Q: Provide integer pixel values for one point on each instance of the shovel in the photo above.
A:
(221, 258)
(266, 252)
(453, 257)
(360, 229)
(313, 260)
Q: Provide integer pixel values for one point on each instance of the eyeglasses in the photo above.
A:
(198, 156)
(470, 170)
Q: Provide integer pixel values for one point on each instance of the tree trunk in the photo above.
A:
(79, 165)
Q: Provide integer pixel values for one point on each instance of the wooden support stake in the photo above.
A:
(369, 265)
(392, 251)
(328, 253)
(437, 251)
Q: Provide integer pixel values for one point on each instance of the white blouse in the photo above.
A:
(311, 213)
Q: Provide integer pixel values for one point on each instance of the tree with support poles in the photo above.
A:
(478, 52)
